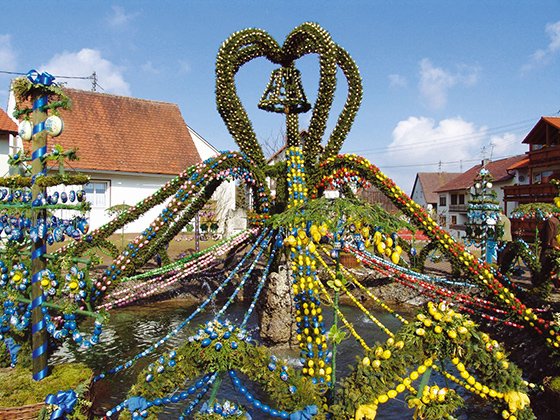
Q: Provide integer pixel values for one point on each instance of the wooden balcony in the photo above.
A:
(544, 157)
(458, 208)
(532, 193)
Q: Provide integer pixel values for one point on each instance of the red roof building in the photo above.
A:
(454, 196)
(122, 134)
(129, 147)
(426, 184)
(541, 165)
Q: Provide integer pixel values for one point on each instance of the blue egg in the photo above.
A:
(206, 342)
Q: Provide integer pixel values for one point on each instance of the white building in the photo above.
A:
(130, 148)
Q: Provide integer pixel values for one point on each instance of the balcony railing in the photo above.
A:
(458, 208)
(543, 193)
(545, 156)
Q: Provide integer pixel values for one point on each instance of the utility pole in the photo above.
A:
(94, 82)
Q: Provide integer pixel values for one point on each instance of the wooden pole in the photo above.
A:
(39, 248)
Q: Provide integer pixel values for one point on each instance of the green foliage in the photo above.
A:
(248, 44)
(24, 90)
(247, 359)
(344, 210)
(17, 387)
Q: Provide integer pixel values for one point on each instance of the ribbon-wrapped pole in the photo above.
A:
(39, 248)
(65, 400)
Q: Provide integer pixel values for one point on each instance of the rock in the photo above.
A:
(277, 312)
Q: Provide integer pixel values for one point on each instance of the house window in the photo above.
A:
(442, 200)
(453, 220)
(97, 193)
(453, 199)
(461, 199)
(442, 220)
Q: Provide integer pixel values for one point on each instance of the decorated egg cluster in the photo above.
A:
(24, 196)
(19, 228)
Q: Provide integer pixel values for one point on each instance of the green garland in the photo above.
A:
(193, 359)
(24, 90)
(18, 181)
(437, 337)
(248, 44)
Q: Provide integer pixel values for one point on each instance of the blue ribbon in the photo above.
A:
(13, 349)
(40, 78)
(65, 401)
(136, 403)
(306, 414)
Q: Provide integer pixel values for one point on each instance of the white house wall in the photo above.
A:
(123, 189)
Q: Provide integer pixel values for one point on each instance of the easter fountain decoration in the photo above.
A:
(305, 231)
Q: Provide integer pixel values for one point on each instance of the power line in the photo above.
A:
(58, 77)
(457, 138)
(94, 79)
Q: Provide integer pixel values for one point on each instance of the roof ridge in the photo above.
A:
(121, 96)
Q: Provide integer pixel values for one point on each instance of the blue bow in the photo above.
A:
(40, 78)
(65, 401)
(13, 349)
(306, 414)
(136, 403)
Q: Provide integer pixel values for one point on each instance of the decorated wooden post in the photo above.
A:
(39, 248)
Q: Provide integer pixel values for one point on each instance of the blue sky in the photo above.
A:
(444, 81)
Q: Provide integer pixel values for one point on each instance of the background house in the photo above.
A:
(425, 186)
(130, 148)
(541, 164)
(7, 128)
(453, 197)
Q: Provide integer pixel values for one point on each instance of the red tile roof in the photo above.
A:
(6, 124)
(498, 170)
(123, 134)
(431, 181)
(546, 127)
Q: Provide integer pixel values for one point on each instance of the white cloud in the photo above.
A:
(7, 53)
(396, 80)
(419, 141)
(119, 19)
(435, 81)
(543, 56)
(507, 145)
(84, 63)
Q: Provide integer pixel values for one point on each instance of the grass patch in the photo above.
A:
(17, 386)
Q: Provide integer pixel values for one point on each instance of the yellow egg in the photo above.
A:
(45, 282)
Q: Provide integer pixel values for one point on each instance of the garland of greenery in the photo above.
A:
(248, 44)
(196, 357)
(437, 336)
(190, 196)
(24, 90)
(498, 287)
(18, 181)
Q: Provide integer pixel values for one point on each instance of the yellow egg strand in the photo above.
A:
(371, 295)
(348, 325)
(358, 304)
